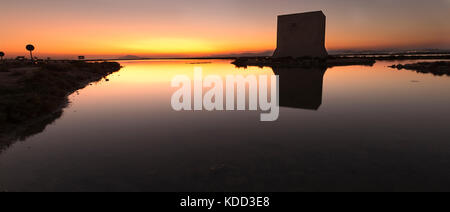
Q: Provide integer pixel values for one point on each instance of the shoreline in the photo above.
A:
(375, 56)
(307, 63)
(37, 94)
(439, 68)
(330, 61)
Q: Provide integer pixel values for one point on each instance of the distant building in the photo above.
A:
(301, 35)
(20, 58)
(81, 57)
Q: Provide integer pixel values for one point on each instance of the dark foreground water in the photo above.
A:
(343, 129)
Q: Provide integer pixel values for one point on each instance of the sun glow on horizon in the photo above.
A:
(175, 28)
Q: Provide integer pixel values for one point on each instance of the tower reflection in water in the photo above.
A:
(300, 87)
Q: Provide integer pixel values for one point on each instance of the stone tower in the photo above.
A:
(301, 35)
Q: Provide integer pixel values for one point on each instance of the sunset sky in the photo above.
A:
(110, 28)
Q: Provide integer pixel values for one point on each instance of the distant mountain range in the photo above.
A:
(331, 52)
(247, 54)
(130, 57)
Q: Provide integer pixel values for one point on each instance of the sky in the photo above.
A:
(181, 28)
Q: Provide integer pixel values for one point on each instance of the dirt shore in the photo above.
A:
(33, 95)
(439, 68)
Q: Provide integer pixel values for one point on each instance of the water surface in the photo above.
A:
(343, 129)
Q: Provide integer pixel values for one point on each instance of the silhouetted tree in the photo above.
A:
(2, 54)
(30, 48)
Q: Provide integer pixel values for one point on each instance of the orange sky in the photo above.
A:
(109, 28)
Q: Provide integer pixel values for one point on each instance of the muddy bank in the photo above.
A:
(332, 60)
(33, 95)
(301, 62)
(440, 68)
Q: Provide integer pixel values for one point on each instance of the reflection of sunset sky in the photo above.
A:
(143, 88)
(212, 27)
(163, 71)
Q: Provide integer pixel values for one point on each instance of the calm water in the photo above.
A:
(343, 129)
